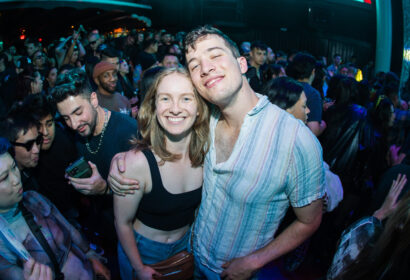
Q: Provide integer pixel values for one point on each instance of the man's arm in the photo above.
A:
(307, 221)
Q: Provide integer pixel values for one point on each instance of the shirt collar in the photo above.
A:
(262, 103)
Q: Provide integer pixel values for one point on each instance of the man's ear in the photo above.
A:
(94, 99)
(243, 64)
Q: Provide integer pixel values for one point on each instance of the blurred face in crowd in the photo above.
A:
(80, 113)
(166, 39)
(52, 77)
(270, 56)
(124, 67)
(170, 61)
(140, 38)
(12, 50)
(47, 129)
(27, 148)
(74, 57)
(300, 110)
(37, 84)
(31, 49)
(39, 59)
(94, 41)
(107, 81)
(337, 60)
(11, 188)
(258, 56)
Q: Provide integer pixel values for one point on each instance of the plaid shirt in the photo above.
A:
(276, 160)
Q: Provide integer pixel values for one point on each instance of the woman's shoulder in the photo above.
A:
(136, 163)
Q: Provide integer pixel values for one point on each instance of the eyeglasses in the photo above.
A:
(93, 42)
(29, 144)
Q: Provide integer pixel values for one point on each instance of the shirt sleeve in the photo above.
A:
(306, 179)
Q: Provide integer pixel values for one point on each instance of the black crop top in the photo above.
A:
(163, 210)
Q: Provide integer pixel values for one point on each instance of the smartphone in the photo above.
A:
(79, 169)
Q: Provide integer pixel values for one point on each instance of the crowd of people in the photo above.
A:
(119, 153)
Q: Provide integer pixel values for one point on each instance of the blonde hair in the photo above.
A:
(153, 135)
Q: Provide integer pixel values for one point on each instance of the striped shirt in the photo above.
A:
(276, 160)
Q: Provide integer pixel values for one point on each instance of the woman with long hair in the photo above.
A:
(153, 223)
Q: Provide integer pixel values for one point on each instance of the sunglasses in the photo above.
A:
(29, 144)
(92, 43)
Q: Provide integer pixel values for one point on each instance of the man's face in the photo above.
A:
(39, 59)
(215, 72)
(27, 157)
(337, 60)
(31, 49)
(79, 113)
(47, 129)
(170, 61)
(94, 41)
(113, 60)
(258, 56)
(166, 39)
(108, 80)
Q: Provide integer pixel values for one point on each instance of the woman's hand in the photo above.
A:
(147, 273)
(36, 271)
(390, 202)
(100, 269)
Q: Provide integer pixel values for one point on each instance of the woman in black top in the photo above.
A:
(153, 223)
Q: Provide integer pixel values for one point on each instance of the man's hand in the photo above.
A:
(118, 183)
(36, 271)
(90, 186)
(239, 268)
(100, 269)
(390, 202)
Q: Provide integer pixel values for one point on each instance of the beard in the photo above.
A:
(93, 123)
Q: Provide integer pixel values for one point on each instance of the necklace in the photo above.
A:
(101, 137)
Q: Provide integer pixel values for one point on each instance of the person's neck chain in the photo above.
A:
(101, 137)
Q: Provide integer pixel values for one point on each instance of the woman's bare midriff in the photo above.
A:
(159, 235)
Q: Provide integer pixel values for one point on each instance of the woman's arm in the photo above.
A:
(125, 208)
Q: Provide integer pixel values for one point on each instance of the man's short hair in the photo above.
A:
(73, 83)
(110, 52)
(161, 58)
(17, 120)
(301, 66)
(259, 45)
(38, 106)
(192, 37)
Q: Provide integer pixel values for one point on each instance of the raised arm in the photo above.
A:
(125, 208)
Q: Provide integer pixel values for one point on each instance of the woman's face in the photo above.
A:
(37, 84)
(74, 57)
(11, 189)
(300, 110)
(176, 105)
(52, 77)
(124, 68)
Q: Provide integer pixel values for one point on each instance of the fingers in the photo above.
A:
(28, 268)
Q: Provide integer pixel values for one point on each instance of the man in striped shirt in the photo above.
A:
(261, 160)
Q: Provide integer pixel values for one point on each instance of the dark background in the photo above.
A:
(322, 27)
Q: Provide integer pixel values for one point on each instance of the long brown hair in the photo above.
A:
(153, 135)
